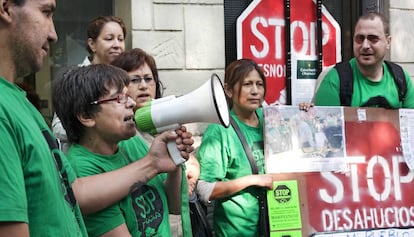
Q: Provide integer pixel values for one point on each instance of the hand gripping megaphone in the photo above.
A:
(207, 104)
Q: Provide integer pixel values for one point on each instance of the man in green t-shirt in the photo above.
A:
(37, 185)
(373, 82)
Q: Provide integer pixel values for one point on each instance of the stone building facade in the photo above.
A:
(401, 14)
(186, 37)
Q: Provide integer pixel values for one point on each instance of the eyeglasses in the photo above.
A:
(371, 38)
(138, 80)
(121, 99)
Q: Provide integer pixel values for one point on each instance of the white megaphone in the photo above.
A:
(207, 104)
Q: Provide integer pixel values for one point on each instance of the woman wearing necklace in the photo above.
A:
(227, 175)
(98, 116)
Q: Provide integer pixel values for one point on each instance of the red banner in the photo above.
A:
(375, 191)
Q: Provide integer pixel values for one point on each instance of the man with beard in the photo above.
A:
(40, 194)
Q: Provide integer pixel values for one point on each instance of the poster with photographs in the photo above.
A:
(300, 141)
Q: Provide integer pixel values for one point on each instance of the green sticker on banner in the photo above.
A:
(293, 233)
(284, 206)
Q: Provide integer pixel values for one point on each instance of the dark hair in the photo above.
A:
(237, 70)
(76, 87)
(135, 58)
(97, 24)
(372, 16)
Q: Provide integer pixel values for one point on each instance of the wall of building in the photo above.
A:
(186, 37)
(401, 14)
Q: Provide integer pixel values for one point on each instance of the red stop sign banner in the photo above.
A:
(372, 197)
(261, 37)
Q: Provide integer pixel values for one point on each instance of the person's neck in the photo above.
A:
(95, 60)
(246, 116)
(98, 145)
(373, 73)
(7, 71)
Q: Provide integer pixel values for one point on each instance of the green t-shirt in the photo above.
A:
(364, 89)
(222, 158)
(144, 211)
(35, 176)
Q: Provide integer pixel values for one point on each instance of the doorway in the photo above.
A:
(71, 20)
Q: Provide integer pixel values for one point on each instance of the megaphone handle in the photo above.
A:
(175, 153)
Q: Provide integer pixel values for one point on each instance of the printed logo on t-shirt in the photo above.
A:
(149, 210)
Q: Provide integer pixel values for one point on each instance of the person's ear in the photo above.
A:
(86, 120)
(91, 44)
(6, 10)
(388, 39)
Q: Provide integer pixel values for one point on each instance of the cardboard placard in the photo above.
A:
(353, 181)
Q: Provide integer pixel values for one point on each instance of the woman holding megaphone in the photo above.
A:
(144, 86)
(232, 159)
(97, 112)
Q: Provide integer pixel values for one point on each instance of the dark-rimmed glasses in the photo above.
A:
(138, 80)
(371, 38)
(120, 98)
